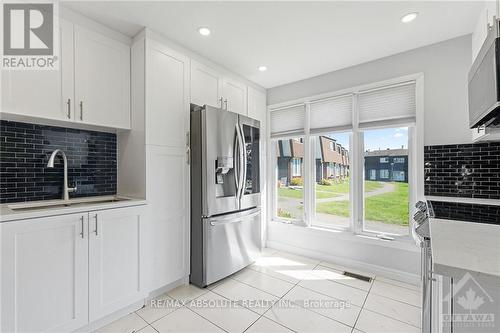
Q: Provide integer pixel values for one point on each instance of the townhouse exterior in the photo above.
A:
(390, 165)
(331, 160)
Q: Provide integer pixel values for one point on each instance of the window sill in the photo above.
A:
(402, 243)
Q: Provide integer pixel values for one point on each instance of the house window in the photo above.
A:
(398, 176)
(363, 183)
(296, 167)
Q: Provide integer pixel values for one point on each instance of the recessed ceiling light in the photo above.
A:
(204, 31)
(262, 68)
(409, 17)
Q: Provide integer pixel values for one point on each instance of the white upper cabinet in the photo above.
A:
(167, 96)
(257, 108)
(102, 80)
(234, 95)
(44, 274)
(92, 85)
(39, 93)
(115, 257)
(206, 85)
(486, 17)
(210, 87)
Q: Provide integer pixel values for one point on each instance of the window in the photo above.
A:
(384, 174)
(290, 189)
(398, 176)
(332, 182)
(296, 167)
(386, 201)
(350, 168)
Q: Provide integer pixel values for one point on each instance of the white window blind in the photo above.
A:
(331, 114)
(288, 121)
(388, 104)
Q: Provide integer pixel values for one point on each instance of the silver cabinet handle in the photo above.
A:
(225, 102)
(69, 108)
(82, 219)
(96, 226)
(81, 110)
(221, 100)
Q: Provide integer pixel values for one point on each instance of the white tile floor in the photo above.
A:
(282, 292)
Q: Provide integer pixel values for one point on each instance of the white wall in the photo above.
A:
(445, 66)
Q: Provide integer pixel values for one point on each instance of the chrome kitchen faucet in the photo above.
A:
(50, 164)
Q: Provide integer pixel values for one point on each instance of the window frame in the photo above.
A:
(415, 156)
(312, 222)
(412, 182)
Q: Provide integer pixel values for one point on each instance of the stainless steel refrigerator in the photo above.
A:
(225, 193)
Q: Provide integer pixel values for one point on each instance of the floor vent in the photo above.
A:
(358, 276)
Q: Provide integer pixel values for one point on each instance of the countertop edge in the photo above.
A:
(458, 273)
(12, 217)
(476, 201)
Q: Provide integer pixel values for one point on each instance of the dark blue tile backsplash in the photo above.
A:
(24, 152)
(468, 170)
(466, 212)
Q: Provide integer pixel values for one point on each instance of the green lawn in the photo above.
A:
(324, 191)
(298, 193)
(389, 207)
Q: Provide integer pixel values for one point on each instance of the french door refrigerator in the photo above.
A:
(225, 193)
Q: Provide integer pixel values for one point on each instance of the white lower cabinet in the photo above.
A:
(45, 274)
(114, 260)
(58, 274)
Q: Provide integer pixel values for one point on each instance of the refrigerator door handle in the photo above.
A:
(241, 149)
(244, 162)
(236, 162)
(234, 217)
(226, 221)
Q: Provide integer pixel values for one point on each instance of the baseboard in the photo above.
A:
(363, 266)
(95, 325)
(132, 307)
(168, 287)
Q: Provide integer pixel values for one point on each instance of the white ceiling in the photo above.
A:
(295, 40)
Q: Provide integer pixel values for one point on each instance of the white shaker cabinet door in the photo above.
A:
(167, 216)
(115, 257)
(257, 108)
(44, 267)
(46, 94)
(235, 96)
(167, 96)
(102, 80)
(206, 85)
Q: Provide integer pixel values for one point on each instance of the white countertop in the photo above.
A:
(492, 202)
(76, 205)
(468, 246)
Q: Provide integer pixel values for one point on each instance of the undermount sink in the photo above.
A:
(51, 204)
